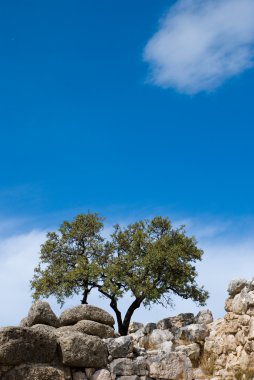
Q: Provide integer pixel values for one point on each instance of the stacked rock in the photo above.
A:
(172, 347)
(48, 348)
(229, 349)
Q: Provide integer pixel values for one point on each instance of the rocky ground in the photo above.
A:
(82, 344)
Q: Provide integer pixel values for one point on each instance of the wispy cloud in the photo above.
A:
(202, 43)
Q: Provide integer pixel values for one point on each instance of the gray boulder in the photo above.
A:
(79, 375)
(101, 374)
(135, 326)
(81, 350)
(44, 329)
(120, 347)
(183, 319)
(173, 366)
(41, 313)
(191, 350)
(194, 333)
(164, 324)
(128, 367)
(235, 286)
(86, 312)
(149, 327)
(204, 317)
(94, 328)
(34, 372)
(19, 345)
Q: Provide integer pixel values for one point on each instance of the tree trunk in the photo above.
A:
(85, 296)
(127, 319)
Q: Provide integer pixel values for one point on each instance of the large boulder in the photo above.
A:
(19, 345)
(164, 324)
(191, 350)
(173, 366)
(94, 328)
(135, 326)
(101, 374)
(128, 367)
(86, 312)
(235, 286)
(157, 340)
(41, 313)
(120, 347)
(194, 333)
(34, 372)
(81, 350)
(204, 317)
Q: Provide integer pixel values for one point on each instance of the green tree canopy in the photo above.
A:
(149, 259)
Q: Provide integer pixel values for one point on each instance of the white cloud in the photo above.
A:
(18, 257)
(202, 43)
(229, 253)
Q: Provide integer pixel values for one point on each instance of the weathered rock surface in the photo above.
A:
(94, 328)
(119, 347)
(204, 317)
(128, 367)
(171, 366)
(85, 347)
(102, 374)
(41, 313)
(19, 345)
(86, 312)
(34, 372)
(81, 350)
(194, 333)
(134, 326)
(230, 344)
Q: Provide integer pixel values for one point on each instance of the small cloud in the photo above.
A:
(202, 43)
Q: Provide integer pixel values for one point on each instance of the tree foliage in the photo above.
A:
(149, 259)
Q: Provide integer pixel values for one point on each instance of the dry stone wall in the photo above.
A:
(82, 344)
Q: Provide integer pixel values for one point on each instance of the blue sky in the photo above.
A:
(118, 107)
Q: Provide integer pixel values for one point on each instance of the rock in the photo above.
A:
(78, 375)
(63, 331)
(81, 350)
(102, 374)
(182, 320)
(19, 345)
(128, 367)
(149, 327)
(119, 347)
(86, 312)
(94, 328)
(158, 338)
(173, 366)
(89, 372)
(239, 303)
(34, 372)
(191, 350)
(44, 329)
(137, 335)
(228, 304)
(23, 322)
(251, 329)
(134, 326)
(41, 313)
(204, 317)
(194, 333)
(165, 347)
(235, 286)
(128, 378)
(164, 324)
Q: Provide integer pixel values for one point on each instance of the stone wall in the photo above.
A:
(82, 344)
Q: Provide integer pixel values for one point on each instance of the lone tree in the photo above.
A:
(148, 259)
